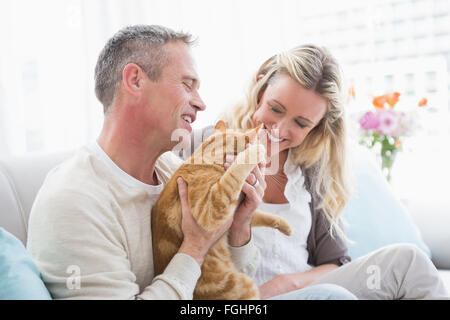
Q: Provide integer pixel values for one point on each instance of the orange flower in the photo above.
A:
(379, 101)
(392, 98)
(397, 144)
(423, 102)
(351, 92)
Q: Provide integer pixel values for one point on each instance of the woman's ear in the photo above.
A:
(259, 77)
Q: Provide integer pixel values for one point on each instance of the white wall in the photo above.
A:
(49, 50)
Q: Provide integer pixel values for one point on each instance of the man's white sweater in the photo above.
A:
(90, 235)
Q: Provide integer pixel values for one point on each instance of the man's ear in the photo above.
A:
(220, 126)
(132, 79)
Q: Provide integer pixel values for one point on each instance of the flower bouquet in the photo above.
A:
(384, 128)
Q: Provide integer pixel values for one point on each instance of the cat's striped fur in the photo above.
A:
(212, 196)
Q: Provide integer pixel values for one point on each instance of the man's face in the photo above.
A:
(172, 102)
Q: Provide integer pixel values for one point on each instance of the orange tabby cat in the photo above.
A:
(213, 196)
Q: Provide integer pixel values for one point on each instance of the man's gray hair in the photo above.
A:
(139, 44)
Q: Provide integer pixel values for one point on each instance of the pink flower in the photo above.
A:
(388, 122)
(407, 123)
(369, 121)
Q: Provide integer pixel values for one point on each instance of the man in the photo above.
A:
(89, 229)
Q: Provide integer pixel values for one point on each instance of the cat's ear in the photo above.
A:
(253, 134)
(220, 126)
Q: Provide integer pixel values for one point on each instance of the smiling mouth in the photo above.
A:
(271, 137)
(187, 118)
(274, 139)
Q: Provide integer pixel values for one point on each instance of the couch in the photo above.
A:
(21, 178)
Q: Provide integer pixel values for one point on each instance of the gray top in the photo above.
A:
(322, 247)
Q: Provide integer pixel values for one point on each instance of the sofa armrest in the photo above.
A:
(445, 276)
(432, 216)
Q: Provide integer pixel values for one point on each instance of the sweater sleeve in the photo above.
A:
(81, 252)
(178, 280)
(246, 258)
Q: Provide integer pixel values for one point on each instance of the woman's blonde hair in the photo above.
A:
(323, 151)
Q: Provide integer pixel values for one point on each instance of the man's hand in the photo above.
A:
(250, 198)
(196, 240)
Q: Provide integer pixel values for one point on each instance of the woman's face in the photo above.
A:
(289, 112)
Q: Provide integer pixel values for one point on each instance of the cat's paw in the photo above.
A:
(254, 154)
(260, 152)
(283, 226)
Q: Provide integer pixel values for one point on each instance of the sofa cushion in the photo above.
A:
(374, 216)
(11, 213)
(19, 277)
(445, 276)
(20, 180)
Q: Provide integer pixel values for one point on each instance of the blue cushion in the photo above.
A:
(19, 277)
(374, 216)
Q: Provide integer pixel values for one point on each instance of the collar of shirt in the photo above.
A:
(295, 190)
(124, 177)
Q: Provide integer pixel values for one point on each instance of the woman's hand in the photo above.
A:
(250, 198)
(282, 283)
(196, 240)
(293, 281)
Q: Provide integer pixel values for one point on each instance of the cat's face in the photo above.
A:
(235, 140)
(228, 142)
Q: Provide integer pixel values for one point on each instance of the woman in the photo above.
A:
(297, 96)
